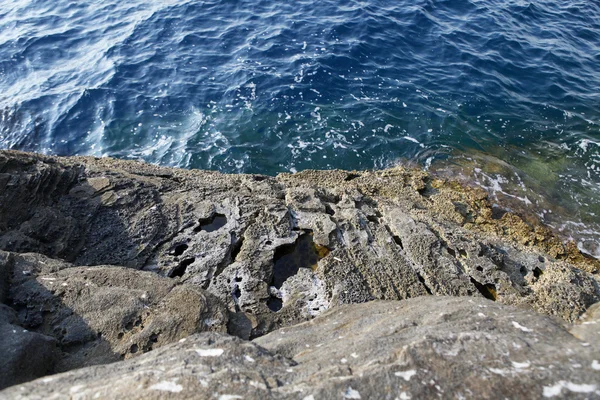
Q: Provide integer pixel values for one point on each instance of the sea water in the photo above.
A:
(505, 93)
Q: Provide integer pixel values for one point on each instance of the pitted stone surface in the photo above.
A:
(427, 347)
(174, 252)
(103, 314)
(390, 235)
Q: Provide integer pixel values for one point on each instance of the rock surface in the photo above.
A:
(101, 314)
(428, 347)
(24, 355)
(108, 259)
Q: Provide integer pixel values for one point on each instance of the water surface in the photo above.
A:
(507, 92)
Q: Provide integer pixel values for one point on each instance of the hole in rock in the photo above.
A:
(497, 212)
(488, 290)
(373, 219)
(541, 259)
(398, 241)
(237, 293)
(350, 177)
(180, 269)
(133, 349)
(274, 304)
(480, 269)
(452, 252)
(289, 258)
(523, 270)
(537, 272)
(237, 247)
(462, 253)
(329, 210)
(268, 243)
(216, 222)
(422, 280)
(179, 249)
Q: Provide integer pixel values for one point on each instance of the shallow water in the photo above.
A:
(265, 87)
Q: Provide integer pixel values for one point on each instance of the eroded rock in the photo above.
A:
(427, 347)
(112, 258)
(25, 355)
(390, 235)
(103, 314)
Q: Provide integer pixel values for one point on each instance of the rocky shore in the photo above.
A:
(130, 280)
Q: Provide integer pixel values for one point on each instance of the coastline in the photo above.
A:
(253, 255)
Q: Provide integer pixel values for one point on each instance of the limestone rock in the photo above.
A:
(102, 314)
(426, 347)
(587, 328)
(278, 251)
(24, 355)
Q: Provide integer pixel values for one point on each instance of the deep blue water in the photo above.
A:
(509, 90)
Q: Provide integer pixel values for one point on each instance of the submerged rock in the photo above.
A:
(428, 347)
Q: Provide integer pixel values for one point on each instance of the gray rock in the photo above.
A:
(115, 258)
(427, 347)
(24, 355)
(387, 235)
(103, 314)
(432, 347)
(587, 328)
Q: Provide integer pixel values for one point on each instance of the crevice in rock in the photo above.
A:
(232, 252)
(237, 247)
(398, 241)
(373, 218)
(214, 223)
(396, 238)
(179, 249)
(329, 210)
(180, 269)
(422, 280)
(488, 290)
(351, 176)
(236, 294)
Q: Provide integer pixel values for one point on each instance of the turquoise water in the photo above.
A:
(509, 89)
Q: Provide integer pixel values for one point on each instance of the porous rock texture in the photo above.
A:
(108, 259)
(423, 348)
(103, 314)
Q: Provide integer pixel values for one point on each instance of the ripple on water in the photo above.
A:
(265, 87)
